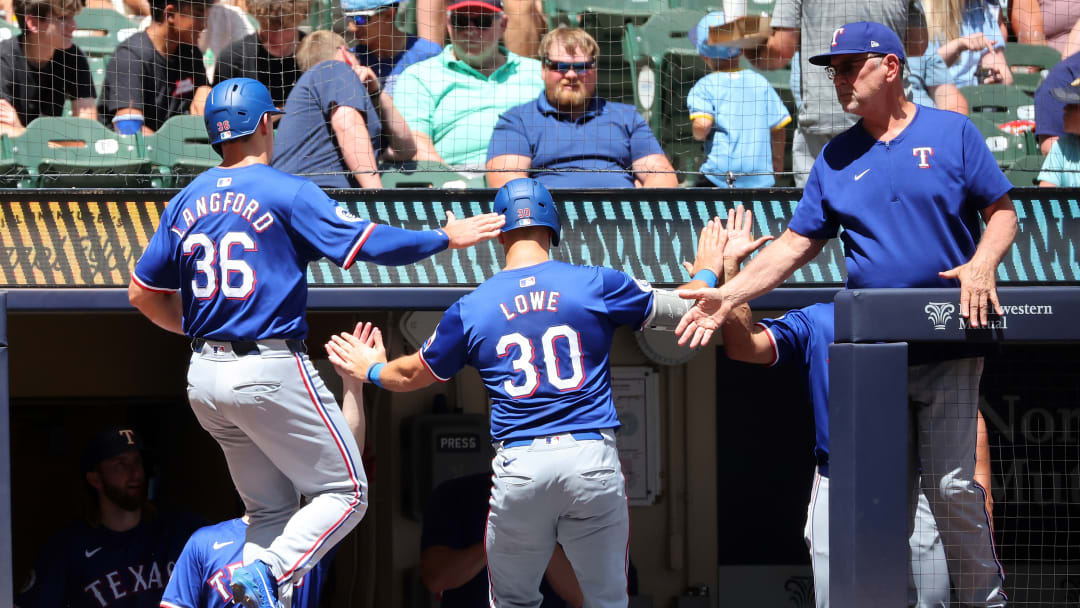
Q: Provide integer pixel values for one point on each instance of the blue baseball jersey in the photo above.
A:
(93, 567)
(803, 336)
(236, 244)
(540, 338)
(204, 570)
(909, 207)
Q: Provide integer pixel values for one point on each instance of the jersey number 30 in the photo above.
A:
(205, 265)
(524, 363)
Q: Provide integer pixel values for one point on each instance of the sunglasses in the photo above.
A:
(847, 70)
(563, 67)
(460, 21)
(366, 19)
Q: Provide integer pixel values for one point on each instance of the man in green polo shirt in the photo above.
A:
(452, 101)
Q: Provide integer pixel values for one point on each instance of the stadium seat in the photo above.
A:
(8, 30)
(999, 101)
(1035, 56)
(426, 174)
(99, 30)
(1007, 148)
(10, 171)
(1024, 171)
(572, 11)
(97, 69)
(665, 65)
(405, 18)
(78, 152)
(181, 149)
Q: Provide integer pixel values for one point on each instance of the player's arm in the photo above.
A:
(743, 340)
(443, 567)
(163, 308)
(560, 575)
(351, 134)
(978, 282)
(361, 357)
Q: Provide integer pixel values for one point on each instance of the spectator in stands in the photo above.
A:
(40, 69)
(269, 55)
(933, 86)
(1061, 168)
(453, 101)
(737, 114)
(453, 563)
(227, 21)
(1048, 110)
(121, 555)
(525, 20)
(1044, 21)
(381, 46)
(570, 138)
(336, 119)
(809, 26)
(158, 73)
(969, 40)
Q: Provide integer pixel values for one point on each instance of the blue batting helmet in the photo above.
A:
(525, 202)
(235, 107)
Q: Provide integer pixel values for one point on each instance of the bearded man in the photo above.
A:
(122, 554)
(570, 138)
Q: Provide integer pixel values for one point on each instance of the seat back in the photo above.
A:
(1007, 148)
(183, 148)
(426, 174)
(99, 30)
(999, 101)
(80, 152)
(1025, 170)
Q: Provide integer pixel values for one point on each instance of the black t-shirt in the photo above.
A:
(40, 90)
(246, 58)
(141, 77)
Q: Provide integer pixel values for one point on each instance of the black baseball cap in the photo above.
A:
(108, 443)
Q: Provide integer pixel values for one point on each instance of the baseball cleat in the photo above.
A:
(254, 586)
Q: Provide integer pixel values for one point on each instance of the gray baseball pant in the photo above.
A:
(283, 436)
(558, 489)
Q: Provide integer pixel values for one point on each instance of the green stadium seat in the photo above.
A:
(665, 65)
(99, 30)
(998, 101)
(426, 174)
(405, 18)
(1007, 148)
(1035, 56)
(1024, 171)
(10, 171)
(78, 152)
(181, 149)
(8, 30)
(97, 69)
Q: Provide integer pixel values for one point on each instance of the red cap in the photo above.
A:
(494, 6)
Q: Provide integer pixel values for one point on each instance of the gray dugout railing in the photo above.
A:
(869, 417)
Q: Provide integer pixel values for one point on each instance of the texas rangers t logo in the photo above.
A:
(923, 153)
(129, 435)
(836, 34)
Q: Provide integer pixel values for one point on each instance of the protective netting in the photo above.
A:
(469, 93)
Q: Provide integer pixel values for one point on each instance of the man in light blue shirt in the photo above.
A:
(452, 101)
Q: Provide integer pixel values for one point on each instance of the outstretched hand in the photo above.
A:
(353, 354)
(978, 290)
(472, 230)
(699, 323)
(740, 235)
(710, 249)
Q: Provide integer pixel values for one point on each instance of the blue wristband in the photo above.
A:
(706, 275)
(373, 374)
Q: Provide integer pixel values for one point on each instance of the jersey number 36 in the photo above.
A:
(524, 363)
(228, 267)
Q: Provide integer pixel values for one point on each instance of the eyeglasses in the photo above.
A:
(367, 18)
(460, 21)
(847, 70)
(563, 67)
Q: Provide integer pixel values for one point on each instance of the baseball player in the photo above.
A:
(227, 267)
(909, 185)
(539, 332)
(122, 554)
